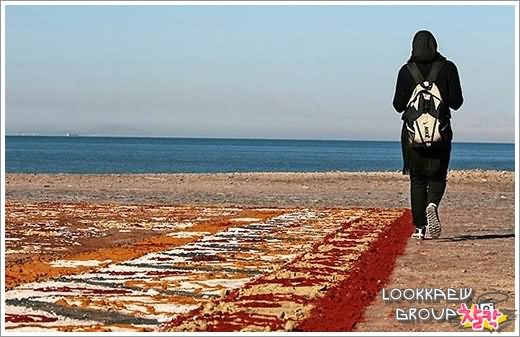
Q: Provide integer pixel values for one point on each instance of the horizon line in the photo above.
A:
(75, 135)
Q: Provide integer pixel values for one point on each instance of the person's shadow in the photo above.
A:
(477, 237)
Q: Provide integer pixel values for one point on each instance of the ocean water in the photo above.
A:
(41, 154)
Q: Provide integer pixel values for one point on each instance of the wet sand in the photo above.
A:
(476, 248)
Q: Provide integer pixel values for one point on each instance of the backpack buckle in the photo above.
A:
(426, 85)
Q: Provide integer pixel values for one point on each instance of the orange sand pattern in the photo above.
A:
(101, 267)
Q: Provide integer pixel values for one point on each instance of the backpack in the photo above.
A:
(426, 114)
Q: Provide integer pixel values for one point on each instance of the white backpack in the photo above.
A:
(425, 109)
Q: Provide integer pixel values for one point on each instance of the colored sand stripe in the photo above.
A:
(343, 306)
(228, 270)
(45, 267)
(325, 289)
(159, 285)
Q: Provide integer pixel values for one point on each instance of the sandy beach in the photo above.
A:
(476, 248)
(466, 189)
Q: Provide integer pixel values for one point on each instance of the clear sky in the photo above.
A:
(317, 72)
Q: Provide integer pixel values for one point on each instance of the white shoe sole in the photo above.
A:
(417, 236)
(434, 224)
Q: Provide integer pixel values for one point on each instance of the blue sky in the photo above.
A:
(318, 72)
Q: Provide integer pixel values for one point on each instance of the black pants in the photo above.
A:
(428, 171)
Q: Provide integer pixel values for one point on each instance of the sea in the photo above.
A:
(120, 155)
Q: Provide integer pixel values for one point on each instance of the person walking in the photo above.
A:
(427, 87)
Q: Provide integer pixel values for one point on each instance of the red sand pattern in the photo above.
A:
(226, 269)
(334, 291)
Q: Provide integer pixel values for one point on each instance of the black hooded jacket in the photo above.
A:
(424, 52)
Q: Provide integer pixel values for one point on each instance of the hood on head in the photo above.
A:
(424, 47)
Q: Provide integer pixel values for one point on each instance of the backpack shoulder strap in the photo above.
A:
(415, 72)
(434, 71)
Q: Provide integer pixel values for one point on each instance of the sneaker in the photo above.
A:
(434, 224)
(419, 234)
